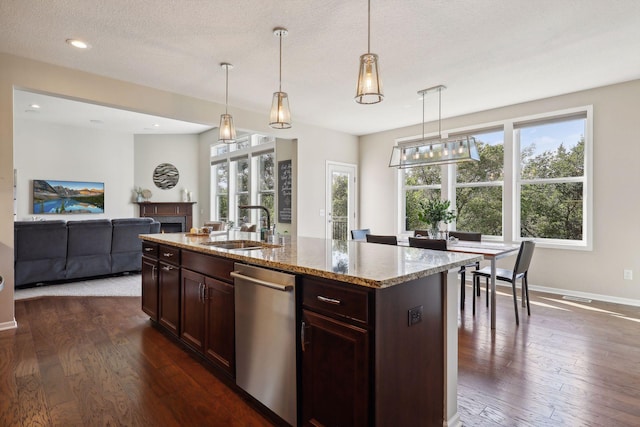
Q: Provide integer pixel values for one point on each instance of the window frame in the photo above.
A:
(259, 144)
(512, 182)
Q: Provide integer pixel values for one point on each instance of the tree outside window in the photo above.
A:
(479, 187)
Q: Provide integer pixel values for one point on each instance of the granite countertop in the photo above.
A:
(361, 263)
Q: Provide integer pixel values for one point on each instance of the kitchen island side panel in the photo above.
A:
(409, 359)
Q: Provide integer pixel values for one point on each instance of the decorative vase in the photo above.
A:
(434, 231)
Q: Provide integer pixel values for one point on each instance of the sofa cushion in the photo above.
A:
(40, 251)
(126, 246)
(88, 248)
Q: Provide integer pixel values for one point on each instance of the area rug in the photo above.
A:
(126, 286)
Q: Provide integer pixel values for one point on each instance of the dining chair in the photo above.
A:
(420, 233)
(215, 225)
(386, 240)
(520, 271)
(435, 244)
(360, 234)
(469, 237)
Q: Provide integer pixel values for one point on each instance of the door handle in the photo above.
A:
(302, 334)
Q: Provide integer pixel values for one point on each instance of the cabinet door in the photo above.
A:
(193, 309)
(220, 324)
(169, 301)
(335, 372)
(150, 287)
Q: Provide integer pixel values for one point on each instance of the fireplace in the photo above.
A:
(173, 217)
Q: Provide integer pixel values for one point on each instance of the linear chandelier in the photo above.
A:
(280, 117)
(369, 88)
(439, 151)
(227, 131)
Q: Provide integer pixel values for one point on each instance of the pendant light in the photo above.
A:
(369, 89)
(280, 117)
(227, 132)
(439, 151)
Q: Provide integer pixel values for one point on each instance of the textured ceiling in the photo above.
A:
(489, 53)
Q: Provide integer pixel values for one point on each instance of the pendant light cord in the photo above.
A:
(280, 81)
(226, 90)
(369, 26)
(440, 113)
(423, 95)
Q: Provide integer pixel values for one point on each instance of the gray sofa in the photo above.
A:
(50, 251)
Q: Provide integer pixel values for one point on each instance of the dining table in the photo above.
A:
(491, 251)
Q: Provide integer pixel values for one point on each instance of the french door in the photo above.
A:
(341, 196)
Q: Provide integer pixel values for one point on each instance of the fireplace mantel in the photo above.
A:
(169, 212)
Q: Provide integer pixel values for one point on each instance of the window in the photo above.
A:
(220, 178)
(418, 184)
(266, 186)
(479, 187)
(532, 181)
(243, 173)
(551, 179)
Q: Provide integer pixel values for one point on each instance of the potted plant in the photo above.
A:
(435, 212)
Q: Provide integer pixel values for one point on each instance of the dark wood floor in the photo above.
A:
(94, 361)
(570, 364)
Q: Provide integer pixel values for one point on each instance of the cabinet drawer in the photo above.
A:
(335, 300)
(169, 254)
(209, 265)
(150, 249)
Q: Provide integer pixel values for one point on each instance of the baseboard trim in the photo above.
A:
(587, 295)
(558, 291)
(8, 325)
(454, 421)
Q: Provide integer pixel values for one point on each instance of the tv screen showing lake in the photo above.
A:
(67, 197)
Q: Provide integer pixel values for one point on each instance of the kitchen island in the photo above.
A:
(374, 334)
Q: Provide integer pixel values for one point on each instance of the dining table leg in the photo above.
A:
(493, 292)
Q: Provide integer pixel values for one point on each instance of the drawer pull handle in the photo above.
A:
(167, 268)
(329, 300)
(148, 249)
(167, 254)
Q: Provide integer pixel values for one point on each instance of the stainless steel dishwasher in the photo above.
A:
(265, 313)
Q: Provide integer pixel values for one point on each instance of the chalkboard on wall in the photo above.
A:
(284, 191)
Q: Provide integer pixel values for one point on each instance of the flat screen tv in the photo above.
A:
(67, 197)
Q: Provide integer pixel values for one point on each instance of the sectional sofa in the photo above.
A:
(51, 251)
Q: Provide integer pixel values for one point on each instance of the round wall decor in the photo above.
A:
(165, 176)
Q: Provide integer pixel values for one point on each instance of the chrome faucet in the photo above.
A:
(259, 207)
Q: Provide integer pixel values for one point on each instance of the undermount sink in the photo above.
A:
(244, 245)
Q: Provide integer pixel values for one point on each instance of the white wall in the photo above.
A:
(60, 152)
(179, 150)
(616, 199)
(315, 145)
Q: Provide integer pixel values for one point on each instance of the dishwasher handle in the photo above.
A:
(283, 288)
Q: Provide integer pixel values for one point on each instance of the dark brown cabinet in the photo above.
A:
(150, 279)
(208, 323)
(169, 288)
(335, 372)
(335, 355)
(150, 287)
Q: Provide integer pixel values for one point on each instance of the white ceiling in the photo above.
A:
(489, 53)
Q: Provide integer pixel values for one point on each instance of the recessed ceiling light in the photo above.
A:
(34, 106)
(78, 43)
(156, 125)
